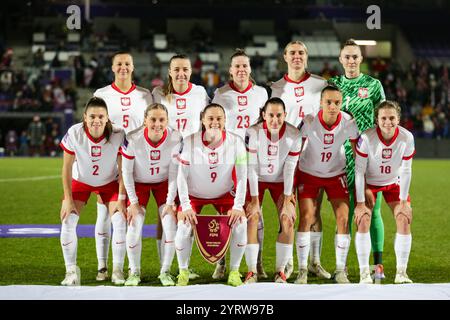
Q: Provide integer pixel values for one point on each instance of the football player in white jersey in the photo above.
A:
(300, 91)
(242, 100)
(184, 101)
(150, 166)
(126, 105)
(273, 147)
(212, 170)
(383, 163)
(92, 164)
(322, 166)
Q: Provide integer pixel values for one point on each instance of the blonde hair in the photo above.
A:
(303, 45)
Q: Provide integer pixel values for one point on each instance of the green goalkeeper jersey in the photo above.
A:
(360, 96)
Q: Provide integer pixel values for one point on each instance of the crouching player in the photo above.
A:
(150, 165)
(383, 163)
(322, 165)
(94, 144)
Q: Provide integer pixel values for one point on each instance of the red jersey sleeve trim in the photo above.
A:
(364, 155)
(183, 161)
(125, 155)
(409, 157)
(293, 154)
(66, 150)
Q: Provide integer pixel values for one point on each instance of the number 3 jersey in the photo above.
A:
(324, 154)
(385, 159)
(95, 159)
(241, 107)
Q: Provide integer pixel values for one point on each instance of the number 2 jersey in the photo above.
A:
(95, 159)
(125, 109)
(323, 155)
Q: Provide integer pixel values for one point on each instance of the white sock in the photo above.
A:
(160, 242)
(342, 246)
(303, 244)
(183, 244)
(69, 240)
(134, 243)
(102, 235)
(251, 256)
(118, 240)
(363, 247)
(402, 247)
(260, 235)
(283, 253)
(316, 247)
(169, 225)
(238, 244)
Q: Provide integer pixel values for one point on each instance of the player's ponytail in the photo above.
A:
(168, 87)
(99, 103)
(273, 100)
(241, 53)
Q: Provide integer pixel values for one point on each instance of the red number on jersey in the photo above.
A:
(385, 169)
(181, 124)
(95, 167)
(301, 114)
(243, 122)
(154, 171)
(213, 176)
(271, 168)
(125, 120)
(326, 156)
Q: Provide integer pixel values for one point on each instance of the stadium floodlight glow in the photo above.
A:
(366, 42)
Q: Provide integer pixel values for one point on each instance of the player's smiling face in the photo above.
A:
(123, 66)
(96, 119)
(240, 69)
(214, 120)
(388, 121)
(331, 103)
(180, 70)
(274, 117)
(296, 57)
(156, 122)
(351, 58)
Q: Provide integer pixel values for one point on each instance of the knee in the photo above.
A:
(253, 221)
(184, 230)
(402, 223)
(364, 224)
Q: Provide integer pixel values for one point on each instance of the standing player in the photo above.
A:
(322, 165)
(91, 164)
(126, 104)
(184, 101)
(212, 170)
(300, 91)
(273, 147)
(361, 94)
(242, 100)
(383, 164)
(149, 165)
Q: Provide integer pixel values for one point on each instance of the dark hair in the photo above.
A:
(330, 87)
(273, 100)
(388, 104)
(241, 53)
(168, 87)
(209, 106)
(96, 102)
(119, 53)
(350, 42)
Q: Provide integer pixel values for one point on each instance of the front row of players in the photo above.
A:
(213, 166)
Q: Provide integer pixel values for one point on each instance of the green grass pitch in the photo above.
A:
(39, 260)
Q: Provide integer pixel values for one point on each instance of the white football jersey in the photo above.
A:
(273, 151)
(95, 159)
(184, 108)
(126, 109)
(211, 171)
(151, 161)
(241, 107)
(301, 98)
(324, 154)
(385, 159)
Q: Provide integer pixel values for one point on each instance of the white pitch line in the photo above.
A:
(30, 178)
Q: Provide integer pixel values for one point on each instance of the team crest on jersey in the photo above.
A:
(299, 91)
(125, 101)
(96, 151)
(328, 138)
(386, 153)
(242, 100)
(181, 103)
(155, 155)
(363, 93)
(213, 158)
(272, 150)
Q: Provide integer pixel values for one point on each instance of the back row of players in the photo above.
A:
(214, 166)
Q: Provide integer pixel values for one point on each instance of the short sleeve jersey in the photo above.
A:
(184, 108)
(301, 98)
(241, 107)
(211, 170)
(272, 151)
(324, 154)
(385, 159)
(151, 161)
(126, 109)
(95, 159)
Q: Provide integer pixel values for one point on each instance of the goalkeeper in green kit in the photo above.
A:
(361, 94)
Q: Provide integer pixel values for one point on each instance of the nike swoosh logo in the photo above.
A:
(212, 167)
(326, 147)
(168, 241)
(66, 244)
(179, 249)
(241, 245)
(301, 247)
(132, 247)
(125, 109)
(341, 247)
(120, 242)
(299, 100)
(385, 161)
(240, 110)
(180, 113)
(153, 163)
(95, 160)
(102, 234)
